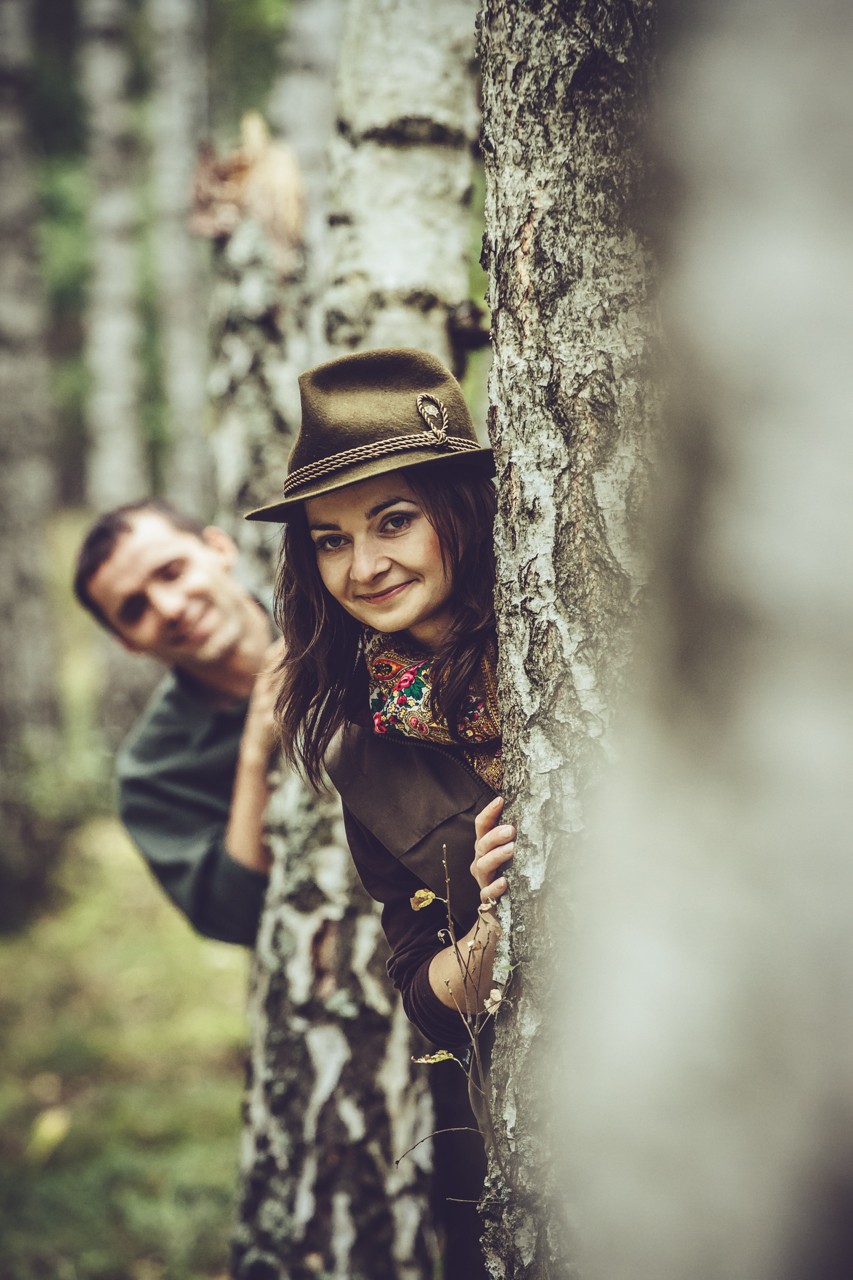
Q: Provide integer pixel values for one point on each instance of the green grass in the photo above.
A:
(122, 1061)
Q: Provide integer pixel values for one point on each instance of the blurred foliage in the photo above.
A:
(122, 1049)
(242, 39)
(243, 42)
(57, 113)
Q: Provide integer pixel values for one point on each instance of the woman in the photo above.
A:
(385, 602)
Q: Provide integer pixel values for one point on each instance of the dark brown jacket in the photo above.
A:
(405, 801)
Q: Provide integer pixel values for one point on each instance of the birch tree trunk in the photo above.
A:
(402, 177)
(401, 190)
(328, 1107)
(333, 1100)
(178, 112)
(116, 467)
(571, 413)
(710, 1103)
(29, 739)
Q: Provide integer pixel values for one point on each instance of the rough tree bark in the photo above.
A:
(28, 690)
(711, 1110)
(116, 469)
(570, 418)
(178, 111)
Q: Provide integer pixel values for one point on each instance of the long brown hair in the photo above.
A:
(323, 677)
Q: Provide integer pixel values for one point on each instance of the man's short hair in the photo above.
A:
(100, 542)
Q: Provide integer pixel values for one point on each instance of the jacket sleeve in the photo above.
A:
(413, 936)
(176, 814)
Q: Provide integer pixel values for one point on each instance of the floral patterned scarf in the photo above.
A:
(400, 700)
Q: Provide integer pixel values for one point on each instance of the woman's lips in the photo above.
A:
(390, 594)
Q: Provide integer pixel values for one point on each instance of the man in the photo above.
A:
(192, 775)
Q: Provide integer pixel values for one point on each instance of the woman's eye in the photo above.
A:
(331, 542)
(399, 520)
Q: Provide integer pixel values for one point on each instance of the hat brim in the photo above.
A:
(283, 510)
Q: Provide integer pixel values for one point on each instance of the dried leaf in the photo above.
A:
(422, 899)
(441, 1055)
(493, 1000)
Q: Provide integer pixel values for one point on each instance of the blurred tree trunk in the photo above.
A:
(116, 467)
(333, 1099)
(178, 122)
(29, 737)
(712, 1056)
(328, 1106)
(402, 179)
(572, 409)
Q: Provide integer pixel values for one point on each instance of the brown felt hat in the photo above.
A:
(369, 413)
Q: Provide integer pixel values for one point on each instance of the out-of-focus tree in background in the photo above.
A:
(121, 1032)
(29, 696)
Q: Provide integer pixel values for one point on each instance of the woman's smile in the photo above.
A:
(387, 593)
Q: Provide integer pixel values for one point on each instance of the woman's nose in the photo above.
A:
(368, 561)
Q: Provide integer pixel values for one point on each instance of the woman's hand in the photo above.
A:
(493, 847)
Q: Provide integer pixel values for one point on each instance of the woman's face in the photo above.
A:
(379, 557)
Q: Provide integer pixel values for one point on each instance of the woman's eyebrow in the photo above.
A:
(381, 506)
(318, 525)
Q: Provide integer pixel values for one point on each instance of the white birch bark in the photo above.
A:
(402, 175)
(116, 469)
(571, 415)
(29, 713)
(710, 1102)
(333, 1098)
(178, 117)
(329, 1106)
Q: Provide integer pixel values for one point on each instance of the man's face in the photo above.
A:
(171, 594)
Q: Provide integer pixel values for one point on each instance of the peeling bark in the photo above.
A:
(571, 411)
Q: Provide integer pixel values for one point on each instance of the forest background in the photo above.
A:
(123, 1034)
(711, 1057)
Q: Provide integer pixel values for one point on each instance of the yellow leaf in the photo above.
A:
(48, 1130)
(441, 1055)
(422, 899)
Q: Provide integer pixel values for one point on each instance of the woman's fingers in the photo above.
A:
(487, 817)
(494, 846)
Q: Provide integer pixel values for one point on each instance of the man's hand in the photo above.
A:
(260, 733)
(244, 835)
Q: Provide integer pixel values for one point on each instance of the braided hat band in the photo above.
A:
(327, 466)
(365, 414)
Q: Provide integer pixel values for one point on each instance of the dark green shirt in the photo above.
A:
(175, 776)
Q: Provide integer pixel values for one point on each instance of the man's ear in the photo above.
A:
(222, 543)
